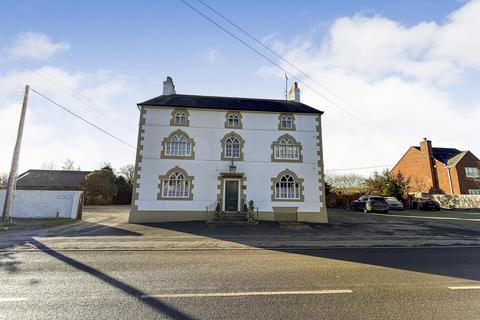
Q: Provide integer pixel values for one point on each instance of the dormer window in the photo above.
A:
(180, 117)
(286, 122)
(233, 120)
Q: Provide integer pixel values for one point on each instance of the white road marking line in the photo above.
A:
(465, 288)
(242, 294)
(12, 299)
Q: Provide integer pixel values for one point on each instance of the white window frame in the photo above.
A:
(475, 192)
(232, 144)
(233, 120)
(471, 172)
(283, 190)
(176, 186)
(284, 120)
(180, 118)
(180, 147)
(286, 150)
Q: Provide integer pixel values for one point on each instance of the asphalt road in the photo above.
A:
(381, 283)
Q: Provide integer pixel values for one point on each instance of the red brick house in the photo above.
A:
(440, 170)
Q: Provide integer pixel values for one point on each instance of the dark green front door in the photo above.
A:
(231, 195)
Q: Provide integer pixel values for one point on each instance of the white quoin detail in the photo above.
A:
(294, 93)
(168, 87)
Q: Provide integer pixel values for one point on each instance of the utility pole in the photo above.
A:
(12, 177)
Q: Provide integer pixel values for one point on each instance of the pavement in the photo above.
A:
(106, 228)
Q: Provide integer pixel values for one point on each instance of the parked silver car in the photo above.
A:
(394, 203)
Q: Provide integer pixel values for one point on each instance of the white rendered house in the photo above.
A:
(197, 151)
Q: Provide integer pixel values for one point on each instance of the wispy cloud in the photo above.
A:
(214, 56)
(397, 77)
(35, 46)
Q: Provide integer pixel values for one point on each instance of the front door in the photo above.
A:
(231, 195)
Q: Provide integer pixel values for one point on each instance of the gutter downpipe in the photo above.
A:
(449, 179)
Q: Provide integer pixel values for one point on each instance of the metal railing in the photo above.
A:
(211, 208)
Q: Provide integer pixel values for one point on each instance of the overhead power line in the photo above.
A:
(79, 97)
(380, 131)
(83, 119)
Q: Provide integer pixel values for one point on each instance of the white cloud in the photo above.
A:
(37, 46)
(213, 56)
(52, 134)
(397, 78)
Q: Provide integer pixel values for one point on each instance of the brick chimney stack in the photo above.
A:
(426, 149)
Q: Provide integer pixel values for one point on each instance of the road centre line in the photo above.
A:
(465, 288)
(12, 299)
(244, 294)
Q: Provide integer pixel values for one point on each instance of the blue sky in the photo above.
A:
(117, 53)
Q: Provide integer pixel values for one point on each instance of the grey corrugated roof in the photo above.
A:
(229, 103)
(444, 154)
(51, 179)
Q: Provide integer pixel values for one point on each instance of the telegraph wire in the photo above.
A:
(68, 90)
(289, 63)
(83, 119)
(379, 131)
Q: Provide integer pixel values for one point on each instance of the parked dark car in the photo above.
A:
(371, 204)
(394, 203)
(425, 203)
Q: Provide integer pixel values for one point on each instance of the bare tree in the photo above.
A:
(69, 165)
(49, 165)
(3, 180)
(128, 172)
(106, 165)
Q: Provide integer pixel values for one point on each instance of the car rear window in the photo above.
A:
(377, 198)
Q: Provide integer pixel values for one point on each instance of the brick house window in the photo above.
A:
(474, 192)
(471, 172)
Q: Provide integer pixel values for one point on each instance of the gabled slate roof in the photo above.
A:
(452, 162)
(444, 155)
(51, 179)
(229, 103)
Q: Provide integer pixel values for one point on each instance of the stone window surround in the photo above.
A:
(297, 180)
(172, 119)
(240, 120)
(163, 154)
(222, 143)
(166, 176)
(295, 143)
(293, 128)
